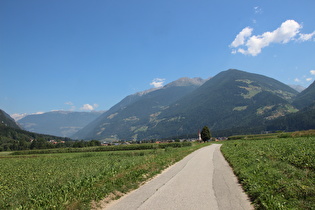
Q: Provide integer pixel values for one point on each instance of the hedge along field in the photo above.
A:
(276, 173)
(73, 180)
(147, 146)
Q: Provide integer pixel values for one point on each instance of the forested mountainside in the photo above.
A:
(6, 120)
(124, 117)
(301, 120)
(305, 98)
(231, 99)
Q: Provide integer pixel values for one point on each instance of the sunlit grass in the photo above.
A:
(276, 173)
(73, 180)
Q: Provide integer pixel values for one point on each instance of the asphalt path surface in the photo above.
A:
(202, 180)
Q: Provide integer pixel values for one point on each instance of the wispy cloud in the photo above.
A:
(306, 37)
(72, 107)
(88, 107)
(247, 44)
(305, 78)
(258, 10)
(69, 103)
(157, 82)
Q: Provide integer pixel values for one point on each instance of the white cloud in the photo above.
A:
(157, 82)
(284, 34)
(241, 51)
(312, 72)
(309, 79)
(17, 116)
(297, 80)
(88, 107)
(240, 38)
(306, 37)
(69, 103)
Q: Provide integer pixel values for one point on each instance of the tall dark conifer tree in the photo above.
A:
(205, 134)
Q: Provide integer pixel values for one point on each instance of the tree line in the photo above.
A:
(12, 139)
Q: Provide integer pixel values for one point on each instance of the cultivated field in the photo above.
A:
(74, 180)
(277, 173)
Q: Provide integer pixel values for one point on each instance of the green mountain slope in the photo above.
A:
(231, 99)
(58, 123)
(306, 97)
(6, 120)
(88, 132)
(126, 122)
(301, 120)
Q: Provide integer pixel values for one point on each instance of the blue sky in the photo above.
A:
(88, 55)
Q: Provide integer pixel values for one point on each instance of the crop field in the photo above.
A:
(276, 173)
(75, 180)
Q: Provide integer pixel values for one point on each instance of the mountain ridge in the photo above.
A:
(231, 98)
(153, 100)
(306, 97)
(7, 120)
(58, 123)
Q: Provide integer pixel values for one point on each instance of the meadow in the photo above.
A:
(77, 179)
(277, 173)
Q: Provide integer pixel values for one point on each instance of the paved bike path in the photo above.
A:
(202, 180)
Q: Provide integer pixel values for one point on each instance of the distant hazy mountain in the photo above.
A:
(229, 100)
(298, 88)
(6, 120)
(130, 116)
(58, 123)
(306, 97)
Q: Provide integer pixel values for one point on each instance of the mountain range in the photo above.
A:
(231, 100)
(57, 123)
(131, 115)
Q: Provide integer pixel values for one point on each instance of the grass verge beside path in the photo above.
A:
(276, 173)
(74, 180)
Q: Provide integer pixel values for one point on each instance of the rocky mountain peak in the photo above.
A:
(186, 81)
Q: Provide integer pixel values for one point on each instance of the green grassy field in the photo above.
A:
(277, 173)
(74, 180)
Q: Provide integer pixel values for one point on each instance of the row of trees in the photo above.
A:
(15, 139)
(7, 144)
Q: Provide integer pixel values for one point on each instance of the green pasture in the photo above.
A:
(277, 173)
(74, 180)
